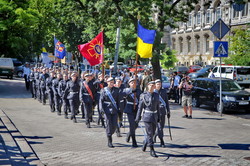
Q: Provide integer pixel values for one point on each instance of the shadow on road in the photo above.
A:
(235, 146)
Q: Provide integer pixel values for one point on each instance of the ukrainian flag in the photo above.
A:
(145, 41)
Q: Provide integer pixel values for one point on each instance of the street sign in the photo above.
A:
(219, 29)
(220, 49)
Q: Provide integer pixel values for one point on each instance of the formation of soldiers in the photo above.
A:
(138, 97)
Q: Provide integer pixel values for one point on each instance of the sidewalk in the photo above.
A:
(207, 139)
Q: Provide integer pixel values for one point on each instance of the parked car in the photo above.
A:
(18, 68)
(201, 73)
(6, 67)
(194, 68)
(180, 70)
(241, 74)
(165, 82)
(119, 65)
(206, 91)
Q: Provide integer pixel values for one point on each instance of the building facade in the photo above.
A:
(193, 40)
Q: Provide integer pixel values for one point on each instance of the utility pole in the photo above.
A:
(117, 44)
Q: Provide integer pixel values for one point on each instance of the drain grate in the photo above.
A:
(247, 158)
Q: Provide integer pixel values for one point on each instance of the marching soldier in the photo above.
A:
(62, 86)
(37, 74)
(43, 78)
(72, 94)
(164, 109)
(55, 88)
(109, 105)
(50, 91)
(149, 111)
(121, 87)
(32, 80)
(87, 93)
(99, 85)
(131, 96)
(82, 106)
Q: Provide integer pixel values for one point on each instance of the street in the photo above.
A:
(207, 139)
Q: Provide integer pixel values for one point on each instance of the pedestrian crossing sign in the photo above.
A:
(220, 49)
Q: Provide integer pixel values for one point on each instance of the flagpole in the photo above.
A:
(136, 64)
(103, 68)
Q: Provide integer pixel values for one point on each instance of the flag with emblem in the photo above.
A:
(60, 51)
(93, 50)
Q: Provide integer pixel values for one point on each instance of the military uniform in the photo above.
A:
(110, 107)
(131, 111)
(37, 82)
(50, 93)
(99, 85)
(65, 102)
(72, 94)
(42, 85)
(149, 111)
(87, 93)
(32, 83)
(163, 110)
(57, 97)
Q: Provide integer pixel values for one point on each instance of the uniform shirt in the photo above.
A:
(43, 78)
(49, 83)
(62, 86)
(149, 107)
(128, 95)
(163, 93)
(55, 86)
(72, 90)
(105, 103)
(84, 94)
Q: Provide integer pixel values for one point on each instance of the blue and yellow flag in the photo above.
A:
(145, 41)
(60, 51)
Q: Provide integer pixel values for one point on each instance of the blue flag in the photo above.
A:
(60, 51)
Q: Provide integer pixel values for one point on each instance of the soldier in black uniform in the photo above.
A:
(99, 84)
(72, 94)
(82, 79)
(131, 95)
(50, 91)
(87, 93)
(37, 75)
(57, 97)
(121, 87)
(149, 111)
(32, 80)
(43, 78)
(109, 105)
(65, 102)
(164, 110)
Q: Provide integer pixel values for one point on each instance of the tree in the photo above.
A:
(169, 58)
(239, 48)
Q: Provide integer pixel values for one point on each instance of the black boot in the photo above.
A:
(162, 143)
(134, 144)
(88, 124)
(74, 120)
(110, 142)
(66, 116)
(144, 146)
(152, 151)
(128, 137)
(118, 133)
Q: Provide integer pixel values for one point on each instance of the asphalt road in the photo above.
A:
(207, 139)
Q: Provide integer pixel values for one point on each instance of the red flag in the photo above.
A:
(93, 51)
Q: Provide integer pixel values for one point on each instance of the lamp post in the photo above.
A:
(117, 45)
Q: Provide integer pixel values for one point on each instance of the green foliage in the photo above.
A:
(239, 48)
(169, 58)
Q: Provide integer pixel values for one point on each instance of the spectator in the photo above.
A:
(175, 85)
(211, 74)
(186, 86)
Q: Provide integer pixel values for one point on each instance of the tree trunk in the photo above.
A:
(156, 68)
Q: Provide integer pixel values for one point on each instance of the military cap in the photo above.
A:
(106, 76)
(87, 74)
(151, 82)
(158, 80)
(73, 74)
(110, 79)
(130, 80)
(118, 78)
(99, 74)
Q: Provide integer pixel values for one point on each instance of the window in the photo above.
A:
(206, 43)
(197, 43)
(208, 17)
(218, 12)
(245, 10)
(174, 45)
(189, 44)
(215, 69)
(198, 18)
(190, 20)
(235, 14)
(181, 45)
